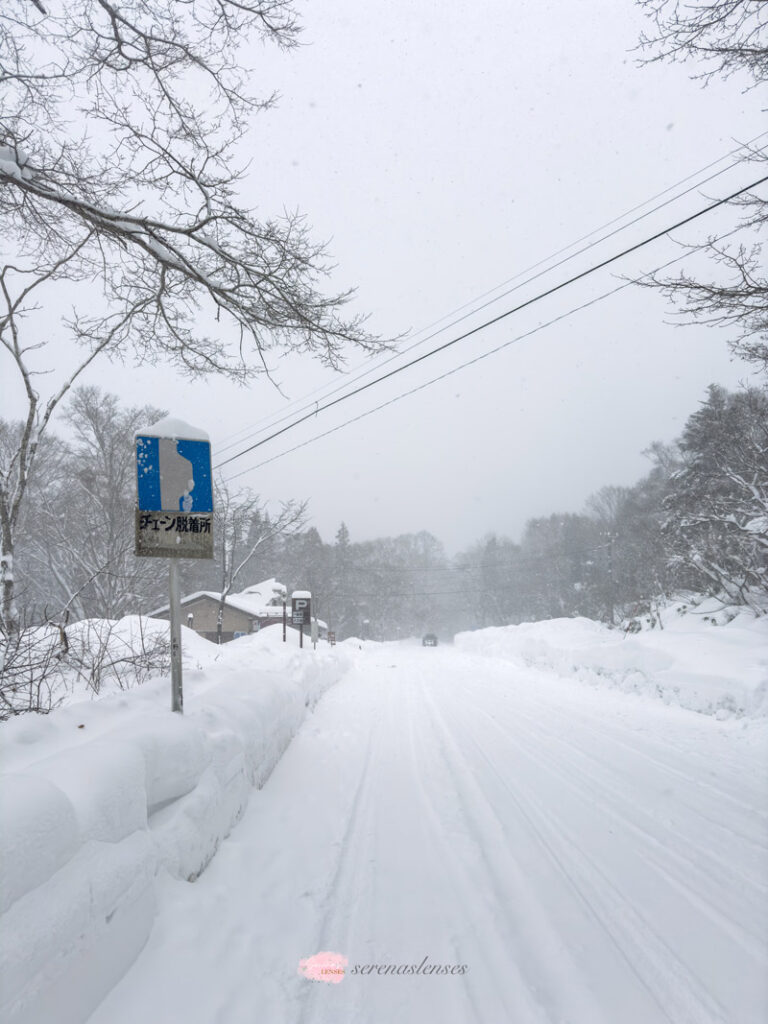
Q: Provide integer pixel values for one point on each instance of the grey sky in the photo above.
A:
(442, 148)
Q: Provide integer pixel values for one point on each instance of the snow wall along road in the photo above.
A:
(100, 796)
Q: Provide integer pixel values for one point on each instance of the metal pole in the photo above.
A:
(177, 697)
(301, 634)
(611, 590)
(284, 622)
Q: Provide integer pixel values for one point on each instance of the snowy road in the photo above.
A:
(587, 857)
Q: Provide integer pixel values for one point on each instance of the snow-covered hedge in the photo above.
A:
(702, 659)
(99, 796)
(43, 667)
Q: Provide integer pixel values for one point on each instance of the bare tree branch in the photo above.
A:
(725, 36)
(119, 129)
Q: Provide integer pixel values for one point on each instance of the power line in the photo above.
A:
(461, 366)
(426, 384)
(467, 566)
(424, 593)
(497, 319)
(272, 421)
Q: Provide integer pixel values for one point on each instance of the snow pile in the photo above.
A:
(100, 795)
(13, 163)
(46, 666)
(701, 660)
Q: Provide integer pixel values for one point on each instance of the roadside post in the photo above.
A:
(301, 611)
(279, 591)
(314, 632)
(174, 513)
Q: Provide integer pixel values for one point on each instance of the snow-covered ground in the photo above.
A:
(705, 658)
(100, 795)
(481, 836)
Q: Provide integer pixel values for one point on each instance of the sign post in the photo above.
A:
(177, 692)
(174, 513)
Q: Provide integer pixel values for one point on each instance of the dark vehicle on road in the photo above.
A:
(429, 640)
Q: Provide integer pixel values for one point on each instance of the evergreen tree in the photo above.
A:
(717, 508)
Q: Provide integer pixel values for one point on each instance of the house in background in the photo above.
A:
(249, 611)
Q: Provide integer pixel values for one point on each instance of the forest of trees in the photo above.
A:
(697, 523)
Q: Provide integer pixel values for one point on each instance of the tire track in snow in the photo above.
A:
(711, 872)
(694, 785)
(526, 938)
(515, 998)
(605, 730)
(660, 837)
(355, 900)
(332, 930)
(643, 951)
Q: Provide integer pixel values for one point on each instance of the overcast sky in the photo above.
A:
(442, 149)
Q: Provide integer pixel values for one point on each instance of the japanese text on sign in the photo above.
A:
(179, 524)
(171, 535)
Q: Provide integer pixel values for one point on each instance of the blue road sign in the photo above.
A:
(173, 475)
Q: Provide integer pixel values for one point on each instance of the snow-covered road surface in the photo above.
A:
(589, 857)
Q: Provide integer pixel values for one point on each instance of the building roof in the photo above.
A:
(254, 601)
(268, 591)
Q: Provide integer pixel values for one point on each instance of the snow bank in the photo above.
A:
(695, 662)
(46, 667)
(100, 795)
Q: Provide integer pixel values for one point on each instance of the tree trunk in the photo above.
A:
(8, 613)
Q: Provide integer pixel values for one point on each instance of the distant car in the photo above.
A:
(429, 640)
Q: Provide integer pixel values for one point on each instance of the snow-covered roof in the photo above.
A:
(267, 590)
(253, 601)
(185, 600)
(251, 605)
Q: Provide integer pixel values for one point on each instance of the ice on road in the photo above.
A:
(587, 857)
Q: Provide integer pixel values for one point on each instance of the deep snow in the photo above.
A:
(705, 658)
(588, 857)
(534, 804)
(101, 795)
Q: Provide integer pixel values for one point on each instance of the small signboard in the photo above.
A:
(301, 607)
(174, 517)
(331, 638)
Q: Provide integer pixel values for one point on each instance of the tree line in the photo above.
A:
(697, 522)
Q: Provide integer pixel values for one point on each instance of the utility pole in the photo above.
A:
(611, 592)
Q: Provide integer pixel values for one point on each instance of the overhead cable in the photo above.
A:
(274, 420)
(486, 324)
